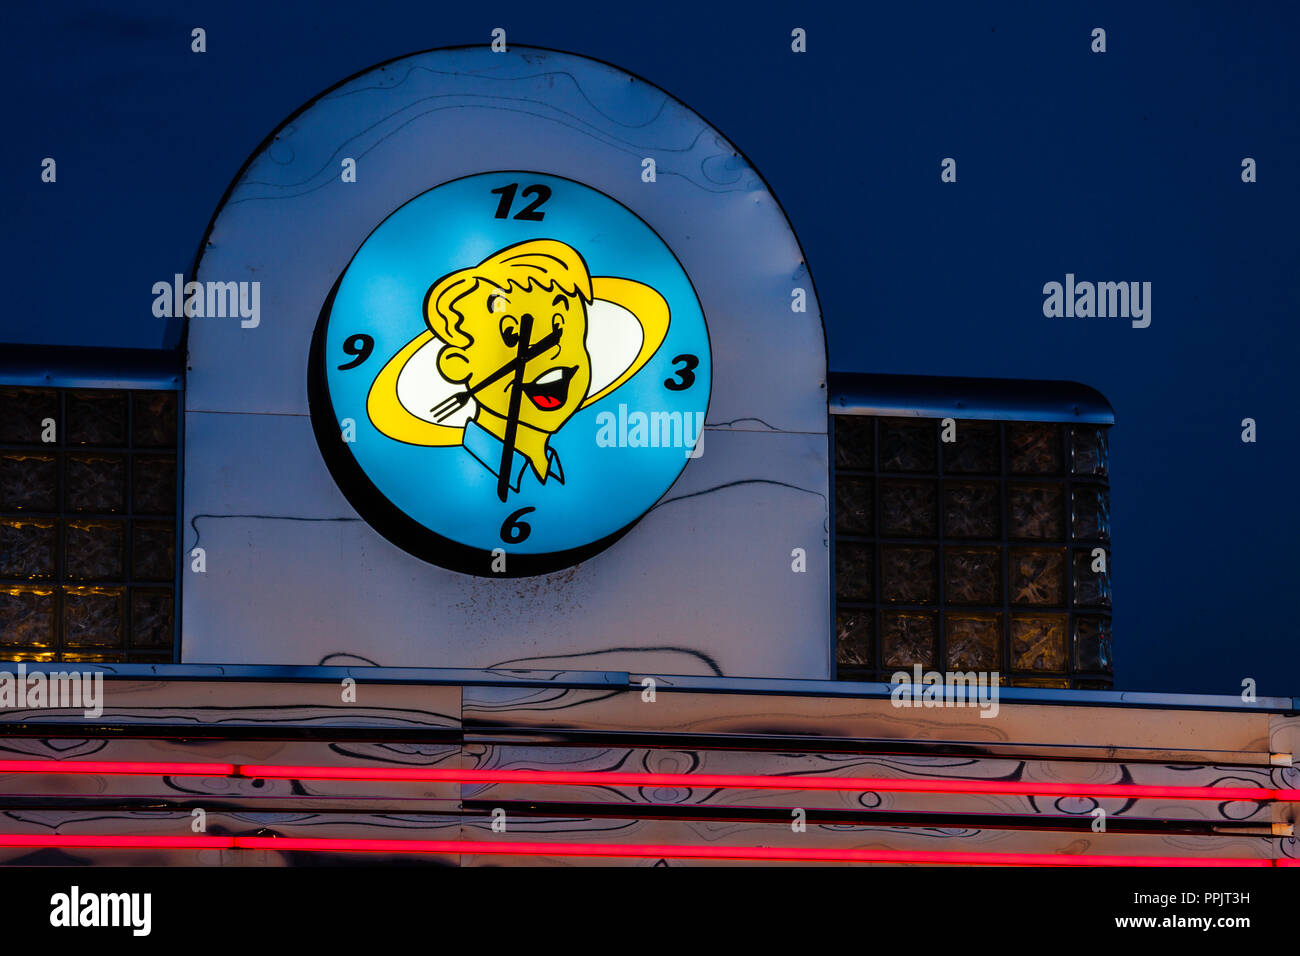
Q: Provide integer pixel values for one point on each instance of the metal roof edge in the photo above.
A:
(933, 396)
(75, 366)
(290, 673)
(626, 680)
(1012, 695)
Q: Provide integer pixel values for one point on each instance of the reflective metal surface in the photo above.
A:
(76, 367)
(998, 399)
(704, 584)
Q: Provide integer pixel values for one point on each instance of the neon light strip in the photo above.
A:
(602, 778)
(655, 851)
(120, 766)
(116, 842)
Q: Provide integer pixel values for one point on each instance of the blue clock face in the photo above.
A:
(509, 373)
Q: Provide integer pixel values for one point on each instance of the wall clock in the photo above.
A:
(511, 370)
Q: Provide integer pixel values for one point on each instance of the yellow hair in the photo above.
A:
(544, 263)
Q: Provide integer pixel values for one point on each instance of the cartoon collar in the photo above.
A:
(486, 447)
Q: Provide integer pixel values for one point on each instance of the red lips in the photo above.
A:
(550, 390)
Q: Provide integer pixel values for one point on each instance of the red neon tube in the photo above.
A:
(685, 780)
(655, 851)
(119, 766)
(808, 854)
(114, 842)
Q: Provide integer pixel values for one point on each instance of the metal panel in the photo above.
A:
(703, 585)
(408, 762)
(996, 399)
(289, 221)
(75, 367)
(1285, 728)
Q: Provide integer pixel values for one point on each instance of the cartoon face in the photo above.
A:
(557, 371)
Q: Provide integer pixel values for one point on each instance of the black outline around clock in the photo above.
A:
(390, 521)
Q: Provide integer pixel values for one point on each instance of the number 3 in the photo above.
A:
(686, 375)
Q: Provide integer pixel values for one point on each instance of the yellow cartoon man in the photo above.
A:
(527, 338)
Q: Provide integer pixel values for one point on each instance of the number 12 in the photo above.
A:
(529, 212)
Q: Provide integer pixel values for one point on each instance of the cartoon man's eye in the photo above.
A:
(510, 332)
(557, 322)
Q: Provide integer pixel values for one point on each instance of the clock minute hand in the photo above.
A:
(516, 396)
(457, 400)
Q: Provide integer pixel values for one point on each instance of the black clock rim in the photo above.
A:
(395, 525)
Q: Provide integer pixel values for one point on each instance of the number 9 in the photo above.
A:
(360, 345)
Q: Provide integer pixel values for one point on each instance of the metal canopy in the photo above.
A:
(996, 399)
(576, 679)
(88, 367)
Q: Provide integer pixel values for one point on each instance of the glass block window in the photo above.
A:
(87, 524)
(976, 554)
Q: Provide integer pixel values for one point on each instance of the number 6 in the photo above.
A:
(513, 530)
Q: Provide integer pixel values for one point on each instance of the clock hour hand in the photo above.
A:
(516, 396)
(456, 401)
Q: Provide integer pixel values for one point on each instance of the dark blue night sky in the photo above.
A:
(1122, 166)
